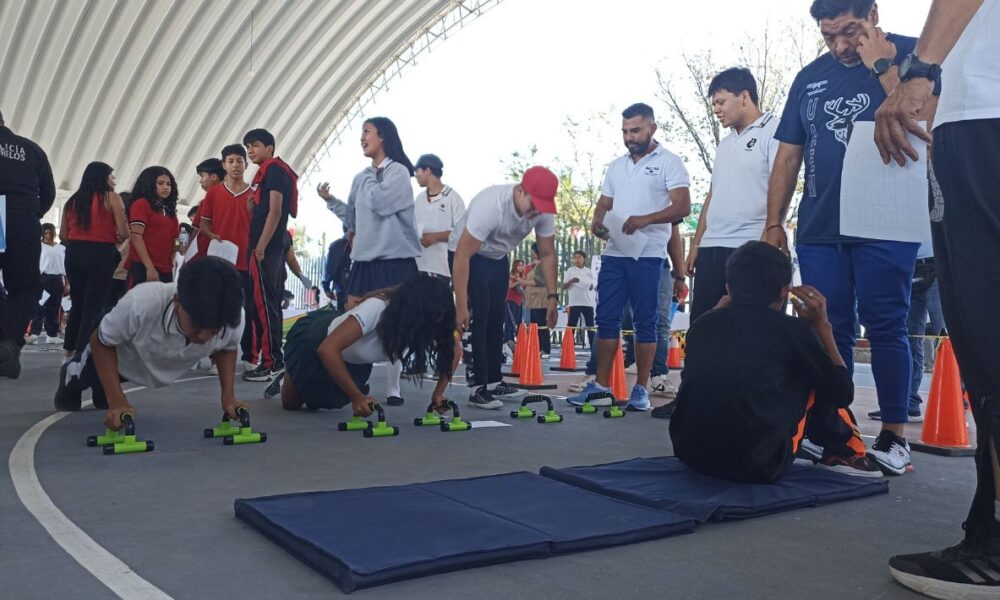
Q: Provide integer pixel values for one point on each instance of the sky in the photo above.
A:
(510, 79)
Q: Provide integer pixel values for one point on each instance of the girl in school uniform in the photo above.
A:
(153, 227)
(329, 355)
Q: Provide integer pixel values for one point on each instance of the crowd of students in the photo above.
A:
(759, 387)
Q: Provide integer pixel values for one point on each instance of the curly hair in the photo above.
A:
(418, 324)
(145, 187)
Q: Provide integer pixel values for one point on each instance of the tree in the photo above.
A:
(774, 57)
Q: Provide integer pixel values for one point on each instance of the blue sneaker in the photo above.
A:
(639, 400)
(592, 388)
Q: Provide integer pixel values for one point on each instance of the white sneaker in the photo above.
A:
(248, 366)
(53, 340)
(659, 385)
(578, 385)
(632, 369)
(31, 339)
(214, 370)
(891, 453)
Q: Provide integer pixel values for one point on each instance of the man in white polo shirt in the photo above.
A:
(439, 209)
(498, 219)
(738, 196)
(644, 192)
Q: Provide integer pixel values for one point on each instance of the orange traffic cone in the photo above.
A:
(568, 360)
(674, 355)
(520, 346)
(945, 430)
(617, 382)
(531, 369)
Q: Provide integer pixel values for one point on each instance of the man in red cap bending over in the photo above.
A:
(498, 219)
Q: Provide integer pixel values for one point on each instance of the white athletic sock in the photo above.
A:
(392, 375)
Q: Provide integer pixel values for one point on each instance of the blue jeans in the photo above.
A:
(668, 308)
(626, 281)
(923, 305)
(877, 276)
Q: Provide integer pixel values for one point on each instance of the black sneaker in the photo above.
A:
(967, 570)
(859, 466)
(67, 399)
(10, 359)
(664, 412)
(913, 415)
(482, 398)
(891, 453)
(274, 387)
(504, 389)
(263, 374)
(394, 401)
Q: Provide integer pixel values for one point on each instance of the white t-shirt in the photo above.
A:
(580, 293)
(53, 260)
(492, 220)
(442, 213)
(368, 350)
(970, 82)
(640, 188)
(743, 162)
(152, 351)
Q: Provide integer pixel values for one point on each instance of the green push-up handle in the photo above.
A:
(430, 419)
(550, 416)
(456, 423)
(588, 408)
(245, 436)
(522, 412)
(380, 428)
(122, 442)
(615, 412)
(355, 424)
(224, 429)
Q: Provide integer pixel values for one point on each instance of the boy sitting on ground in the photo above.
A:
(755, 380)
(155, 334)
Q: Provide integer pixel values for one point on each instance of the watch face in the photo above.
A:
(881, 66)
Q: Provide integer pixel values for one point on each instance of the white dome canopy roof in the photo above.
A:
(135, 83)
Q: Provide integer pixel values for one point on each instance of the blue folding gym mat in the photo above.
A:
(667, 484)
(573, 518)
(367, 537)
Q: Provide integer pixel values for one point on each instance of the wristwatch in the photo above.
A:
(553, 296)
(881, 66)
(912, 67)
(676, 276)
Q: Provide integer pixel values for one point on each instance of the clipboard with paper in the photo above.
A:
(629, 245)
(879, 201)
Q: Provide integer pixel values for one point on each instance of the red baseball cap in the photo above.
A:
(541, 184)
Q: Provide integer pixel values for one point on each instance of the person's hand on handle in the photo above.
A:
(232, 407)
(113, 416)
(440, 403)
(362, 406)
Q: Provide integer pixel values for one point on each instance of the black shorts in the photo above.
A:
(372, 275)
(311, 380)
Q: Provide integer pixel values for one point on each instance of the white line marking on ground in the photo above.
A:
(106, 567)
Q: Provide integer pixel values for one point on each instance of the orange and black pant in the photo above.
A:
(835, 429)
(268, 277)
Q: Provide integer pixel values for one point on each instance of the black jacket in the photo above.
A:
(25, 175)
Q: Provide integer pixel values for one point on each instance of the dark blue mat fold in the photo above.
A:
(573, 519)
(367, 537)
(667, 484)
